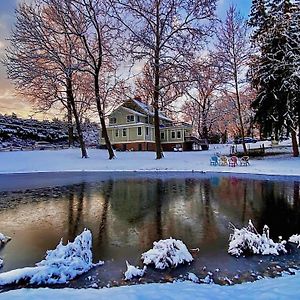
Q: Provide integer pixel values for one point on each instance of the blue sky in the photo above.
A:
(8, 101)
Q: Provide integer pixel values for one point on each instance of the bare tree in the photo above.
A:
(205, 79)
(163, 35)
(40, 60)
(90, 22)
(233, 52)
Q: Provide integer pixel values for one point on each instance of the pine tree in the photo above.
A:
(274, 68)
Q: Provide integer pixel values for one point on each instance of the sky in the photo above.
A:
(9, 101)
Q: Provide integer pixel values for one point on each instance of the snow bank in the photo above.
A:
(249, 240)
(60, 265)
(286, 287)
(167, 253)
(295, 238)
(133, 271)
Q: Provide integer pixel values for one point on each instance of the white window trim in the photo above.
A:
(173, 131)
(113, 118)
(129, 121)
(137, 131)
(178, 131)
(124, 130)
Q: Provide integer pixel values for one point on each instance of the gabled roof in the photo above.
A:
(148, 109)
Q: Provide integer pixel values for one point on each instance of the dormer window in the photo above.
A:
(112, 120)
(130, 118)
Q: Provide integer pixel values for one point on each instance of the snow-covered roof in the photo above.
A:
(149, 110)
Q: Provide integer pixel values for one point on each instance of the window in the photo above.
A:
(147, 120)
(179, 134)
(173, 134)
(147, 130)
(112, 120)
(139, 131)
(162, 135)
(130, 118)
(138, 119)
(124, 132)
(117, 132)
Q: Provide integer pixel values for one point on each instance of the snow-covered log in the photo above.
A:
(295, 238)
(63, 263)
(248, 240)
(133, 271)
(167, 253)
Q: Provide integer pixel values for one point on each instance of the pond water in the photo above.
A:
(126, 214)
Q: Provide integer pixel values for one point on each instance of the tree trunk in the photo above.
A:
(238, 100)
(295, 144)
(158, 148)
(70, 125)
(110, 150)
(71, 99)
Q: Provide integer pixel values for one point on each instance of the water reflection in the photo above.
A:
(126, 216)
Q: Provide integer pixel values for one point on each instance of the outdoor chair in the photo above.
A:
(223, 161)
(245, 161)
(214, 161)
(233, 162)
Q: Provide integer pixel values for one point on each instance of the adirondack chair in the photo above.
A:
(223, 161)
(245, 161)
(233, 162)
(214, 160)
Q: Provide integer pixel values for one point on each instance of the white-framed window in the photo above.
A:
(124, 132)
(117, 133)
(147, 130)
(179, 134)
(139, 131)
(162, 135)
(112, 120)
(173, 135)
(130, 118)
(138, 119)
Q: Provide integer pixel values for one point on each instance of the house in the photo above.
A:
(131, 127)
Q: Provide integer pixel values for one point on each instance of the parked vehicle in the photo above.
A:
(43, 146)
(247, 139)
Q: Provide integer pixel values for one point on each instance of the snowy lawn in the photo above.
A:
(286, 287)
(70, 160)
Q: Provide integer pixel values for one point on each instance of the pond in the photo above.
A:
(126, 214)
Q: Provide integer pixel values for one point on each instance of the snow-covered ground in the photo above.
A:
(284, 288)
(70, 160)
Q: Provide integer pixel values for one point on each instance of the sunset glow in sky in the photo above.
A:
(9, 102)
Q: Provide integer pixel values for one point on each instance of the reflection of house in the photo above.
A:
(131, 127)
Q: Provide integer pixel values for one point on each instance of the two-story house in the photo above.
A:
(131, 127)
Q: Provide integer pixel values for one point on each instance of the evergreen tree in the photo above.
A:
(275, 66)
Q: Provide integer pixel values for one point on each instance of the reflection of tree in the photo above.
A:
(75, 210)
(131, 201)
(159, 196)
(106, 193)
(210, 228)
(278, 213)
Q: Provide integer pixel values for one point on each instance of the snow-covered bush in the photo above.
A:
(1, 262)
(193, 277)
(4, 239)
(133, 271)
(63, 263)
(248, 240)
(295, 238)
(167, 253)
